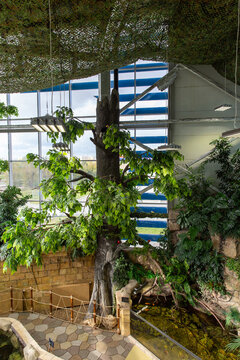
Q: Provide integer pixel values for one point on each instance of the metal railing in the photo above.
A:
(159, 343)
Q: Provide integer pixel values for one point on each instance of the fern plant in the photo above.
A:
(233, 320)
(234, 346)
(233, 317)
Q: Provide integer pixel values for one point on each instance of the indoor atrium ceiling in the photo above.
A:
(90, 36)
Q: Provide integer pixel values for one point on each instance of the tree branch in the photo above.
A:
(145, 292)
(138, 214)
(77, 179)
(69, 216)
(133, 178)
(84, 174)
(98, 144)
(124, 171)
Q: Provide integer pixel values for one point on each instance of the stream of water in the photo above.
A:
(196, 331)
(7, 350)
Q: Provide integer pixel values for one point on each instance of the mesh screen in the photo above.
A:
(89, 36)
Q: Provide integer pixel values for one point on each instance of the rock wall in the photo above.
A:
(57, 270)
(222, 303)
(229, 247)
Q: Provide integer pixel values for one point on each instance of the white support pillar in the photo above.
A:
(104, 84)
(10, 147)
(39, 147)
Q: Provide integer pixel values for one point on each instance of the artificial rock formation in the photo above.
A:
(229, 247)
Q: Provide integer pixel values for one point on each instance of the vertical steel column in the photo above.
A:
(170, 128)
(135, 104)
(39, 147)
(116, 79)
(71, 144)
(9, 146)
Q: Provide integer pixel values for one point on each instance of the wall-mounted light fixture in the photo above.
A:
(223, 107)
(169, 147)
(48, 123)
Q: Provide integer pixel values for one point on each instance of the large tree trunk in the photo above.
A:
(107, 168)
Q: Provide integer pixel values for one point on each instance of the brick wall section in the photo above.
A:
(57, 269)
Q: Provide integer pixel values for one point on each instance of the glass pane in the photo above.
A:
(84, 101)
(90, 167)
(158, 342)
(26, 104)
(84, 148)
(46, 144)
(3, 98)
(26, 177)
(33, 204)
(60, 98)
(4, 180)
(3, 146)
(24, 143)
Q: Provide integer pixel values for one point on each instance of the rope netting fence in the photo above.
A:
(64, 307)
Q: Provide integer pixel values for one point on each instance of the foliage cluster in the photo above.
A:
(204, 208)
(11, 198)
(176, 272)
(108, 203)
(209, 208)
(234, 265)
(215, 208)
(205, 264)
(124, 270)
(233, 320)
(7, 110)
(10, 201)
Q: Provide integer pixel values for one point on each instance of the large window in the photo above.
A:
(81, 95)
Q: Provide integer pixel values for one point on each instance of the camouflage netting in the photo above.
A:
(89, 36)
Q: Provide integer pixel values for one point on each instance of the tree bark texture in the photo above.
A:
(107, 168)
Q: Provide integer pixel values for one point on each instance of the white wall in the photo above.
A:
(192, 97)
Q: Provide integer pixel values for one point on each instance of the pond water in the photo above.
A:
(9, 347)
(196, 331)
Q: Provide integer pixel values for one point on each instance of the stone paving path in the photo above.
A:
(75, 342)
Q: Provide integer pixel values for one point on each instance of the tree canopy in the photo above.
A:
(91, 36)
(108, 201)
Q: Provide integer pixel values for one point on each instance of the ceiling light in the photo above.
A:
(169, 147)
(45, 128)
(48, 123)
(53, 128)
(61, 128)
(231, 133)
(223, 107)
(61, 146)
(35, 124)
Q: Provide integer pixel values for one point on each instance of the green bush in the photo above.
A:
(124, 270)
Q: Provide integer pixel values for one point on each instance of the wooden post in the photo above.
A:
(50, 305)
(94, 312)
(71, 299)
(118, 319)
(23, 299)
(31, 298)
(11, 299)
